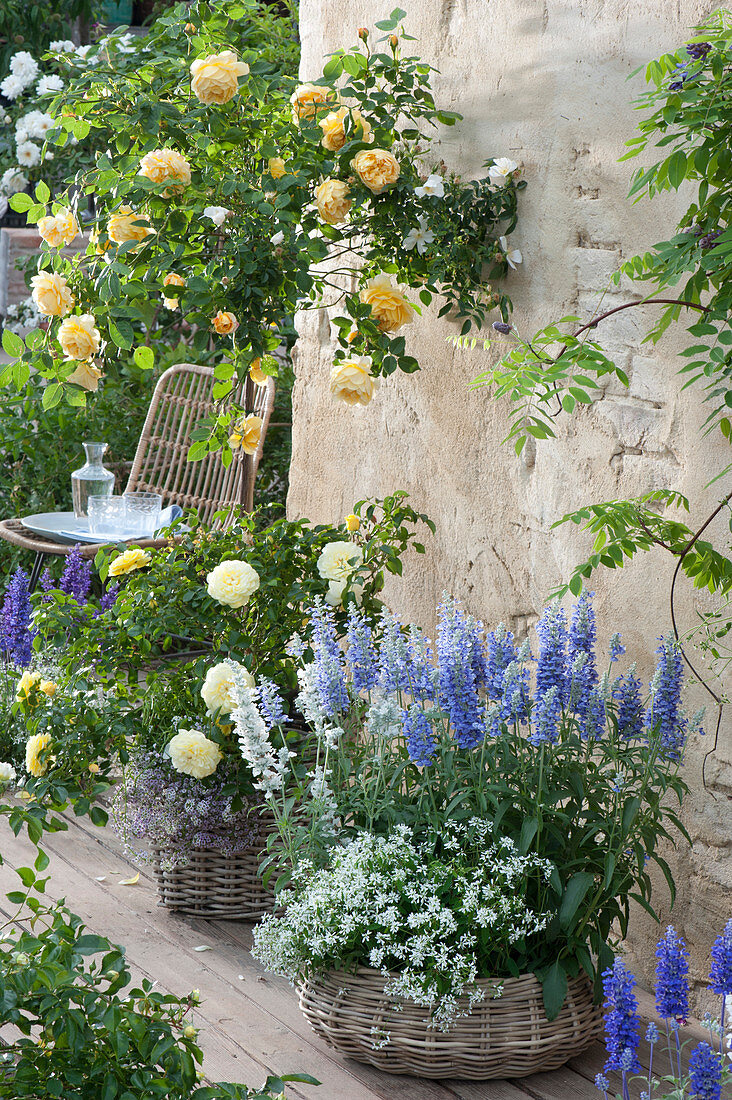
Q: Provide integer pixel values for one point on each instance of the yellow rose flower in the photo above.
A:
(331, 199)
(34, 746)
(128, 226)
(51, 294)
(130, 560)
(257, 375)
(246, 434)
(225, 323)
(166, 166)
(307, 100)
(389, 308)
(59, 229)
(218, 691)
(79, 337)
(276, 167)
(338, 560)
(352, 522)
(351, 380)
(334, 129)
(216, 77)
(87, 375)
(172, 280)
(376, 168)
(28, 682)
(232, 583)
(192, 753)
(48, 688)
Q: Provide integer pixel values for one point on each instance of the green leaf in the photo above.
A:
(554, 990)
(21, 202)
(574, 894)
(144, 358)
(52, 395)
(42, 192)
(12, 344)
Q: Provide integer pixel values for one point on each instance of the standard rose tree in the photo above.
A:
(231, 198)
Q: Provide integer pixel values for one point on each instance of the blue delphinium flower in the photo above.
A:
(500, 651)
(622, 1023)
(617, 649)
(270, 704)
(458, 689)
(545, 717)
(76, 578)
(329, 666)
(629, 710)
(720, 976)
(393, 656)
(361, 655)
(551, 668)
(16, 636)
(672, 984)
(705, 1073)
(663, 717)
(420, 735)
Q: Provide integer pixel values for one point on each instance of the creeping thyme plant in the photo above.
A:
(573, 775)
(230, 197)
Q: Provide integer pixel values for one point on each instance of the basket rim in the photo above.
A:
(373, 976)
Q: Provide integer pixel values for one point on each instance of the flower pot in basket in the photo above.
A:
(505, 1036)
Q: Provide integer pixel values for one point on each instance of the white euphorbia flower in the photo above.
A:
(501, 171)
(419, 238)
(434, 185)
(513, 255)
(217, 214)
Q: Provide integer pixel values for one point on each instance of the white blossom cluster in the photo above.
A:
(269, 767)
(390, 903)
(19, 318)
(309, 704)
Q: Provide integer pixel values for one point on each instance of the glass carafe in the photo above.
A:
(91, 479)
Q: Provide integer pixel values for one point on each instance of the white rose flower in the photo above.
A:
(513, 255)
(277, 238)
(338, 560)
(62, 45)
(21, 135)
(192, 753)
(419, 237)
(232, 583)
(28, 154)
(433, 185)
(501, 171)
(11, 86)
(13, 181)
(219, 688)
(7, 773)
(50, 83)
(37, 123)
(24, 66)
(217, 214)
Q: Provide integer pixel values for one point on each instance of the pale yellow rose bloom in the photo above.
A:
(172, 280)
(130, 560)
(352, 522)
(276, 167)
(48, 688)
(166, 166)
(225, 323)
(389, 308)
(332, 201)
(376, 168)
(307, 99)
(351, 380)
(26, 684)
(123, 226)
(59, 229)
(232, 583)
(51, 294)
(79, 337)
(257, 375)
(192, 753)
(87, 375)
(216, 77)
(33, 749)
(246, 434)
(338, 560)
(219, 689)
(334, 129)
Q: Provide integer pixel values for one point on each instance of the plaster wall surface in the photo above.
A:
(545, 83)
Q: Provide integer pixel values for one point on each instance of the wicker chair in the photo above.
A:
(182, 397)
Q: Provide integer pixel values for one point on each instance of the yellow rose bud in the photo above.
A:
(331, 199)
(189, 1031)
(216, 77)
(79, 337)
(276, 167)
(363, 33)
(51, 294)
(48, 688)
(59, 229)
(351, 380)
(225, 323)
(334, 130)
(352, 522)
(393, 41)
(130, 560)
(308, 99)
(376, 168)
(257, 375)
(172, 280)
(86, 375)
(128, 226)
(389, 308)
(246, 434)
(166, 165)
(94, 769)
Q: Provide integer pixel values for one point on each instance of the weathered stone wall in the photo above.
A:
(543, 83)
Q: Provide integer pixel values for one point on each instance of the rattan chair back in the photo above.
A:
(183, 396)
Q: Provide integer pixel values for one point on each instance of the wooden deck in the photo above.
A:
(249, 1020)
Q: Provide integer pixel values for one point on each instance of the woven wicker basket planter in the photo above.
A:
(214, 885)
(508, 1036)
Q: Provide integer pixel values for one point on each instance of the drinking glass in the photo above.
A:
(143, 514)
(107, 516)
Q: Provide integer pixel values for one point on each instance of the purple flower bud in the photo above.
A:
(698, 50)
(502, 327)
